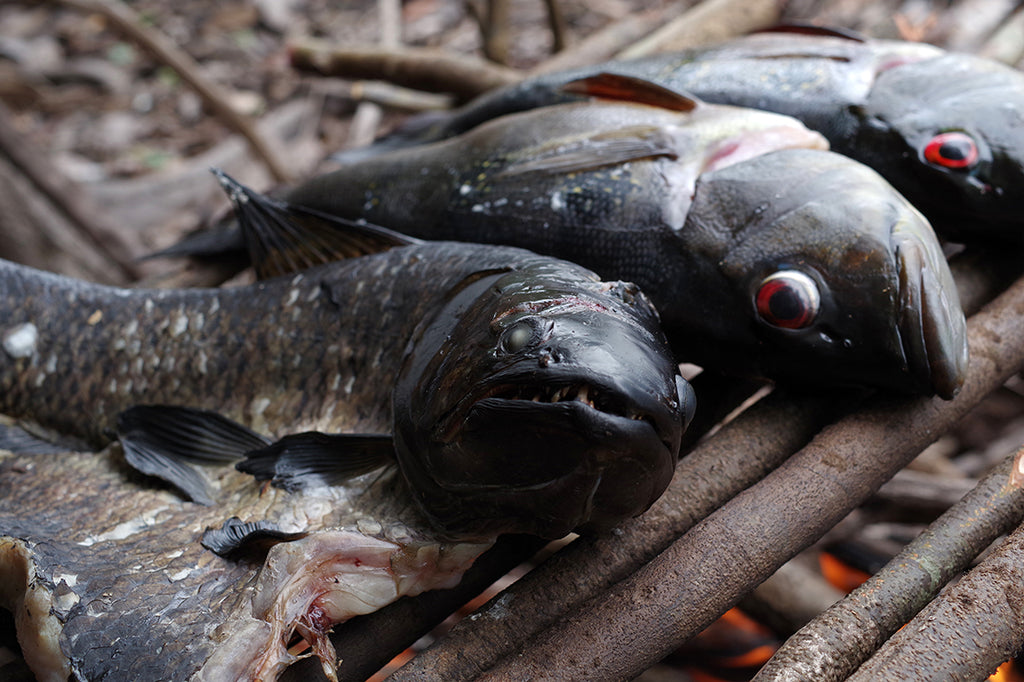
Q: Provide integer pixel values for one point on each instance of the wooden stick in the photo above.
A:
(973, 627)
(129, 23)
(709, 22)
(836, 643)
(424, 68)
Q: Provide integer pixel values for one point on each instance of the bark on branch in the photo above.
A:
(840, 639)
(967, 632)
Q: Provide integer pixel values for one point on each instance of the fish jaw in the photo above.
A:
(307, 586)
(932, 327)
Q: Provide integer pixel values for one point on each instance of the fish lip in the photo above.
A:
(932, 328)
(602, 399)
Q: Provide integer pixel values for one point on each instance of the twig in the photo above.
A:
(559, 30)
(791, 597)
(714, 472)
(707, 571)
(833, 645)
(125, 19)
(967, 632)
(426, 69)
(709, 22)
(601, 45)
(82, 215)
(494, 28)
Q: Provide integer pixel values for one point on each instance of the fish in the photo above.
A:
(764, 253)
(945, 128)
(406, 407)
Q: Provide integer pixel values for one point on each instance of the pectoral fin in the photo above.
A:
(237, 536)
(311, 459)
(596, 151)
(173, 443)
(283, 238)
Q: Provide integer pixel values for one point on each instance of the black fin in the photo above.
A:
(312, 459)
(19, 439)
(219, 241)
(168, 442)
(284, 238)
(615, 86)
(236, 536)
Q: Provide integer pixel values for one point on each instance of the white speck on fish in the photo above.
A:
(293, 296)
(20, 341)
(465, 189)
(179, 324)
(557, 201)
(349, 384)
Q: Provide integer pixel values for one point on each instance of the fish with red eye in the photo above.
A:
(911, 111)
(955, 150)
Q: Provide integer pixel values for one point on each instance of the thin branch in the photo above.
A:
(793, 596)
(84, 217)
(833, 645)
(709, 569)
(601, 45)
(128, 22)
(708, 22)
(968, 631)
(556, 20)
(424, 68)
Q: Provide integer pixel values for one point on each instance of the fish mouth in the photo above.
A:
(605, 404)
(932, 327)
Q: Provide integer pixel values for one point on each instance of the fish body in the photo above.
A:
(352, 346)
(447, 346)
(713, 211)
(946, 129)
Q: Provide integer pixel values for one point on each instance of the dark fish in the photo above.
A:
(108, 580)
(523, 393)
(946, 129)
(763, 253)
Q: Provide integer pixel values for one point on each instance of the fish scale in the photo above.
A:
(168, 333)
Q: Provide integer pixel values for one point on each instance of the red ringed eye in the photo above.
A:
(788, 299)
(952, 150)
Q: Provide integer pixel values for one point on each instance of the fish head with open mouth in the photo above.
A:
(573, 421)
(959, 120)
(834, 265)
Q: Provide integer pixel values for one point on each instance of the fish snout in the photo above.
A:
(932, 327)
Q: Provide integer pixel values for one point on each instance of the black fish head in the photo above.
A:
(949, 132)
(832, 276)
(540, 401)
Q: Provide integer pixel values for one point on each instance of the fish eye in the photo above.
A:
(520, 336)
(788, 299)
(955, 150)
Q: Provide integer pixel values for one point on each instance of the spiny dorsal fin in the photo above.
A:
(616, 86)
(311, 459)
(283, 238)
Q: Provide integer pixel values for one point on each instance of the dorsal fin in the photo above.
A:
(812, 30)
(283, 238)
(620, 87)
